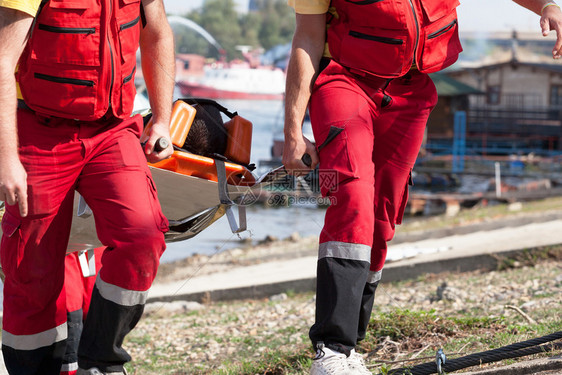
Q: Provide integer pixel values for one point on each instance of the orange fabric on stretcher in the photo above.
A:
(203, 167)
(239, 141)
(180, 122)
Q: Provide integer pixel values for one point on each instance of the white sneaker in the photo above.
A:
(357, 364)
(330, 362)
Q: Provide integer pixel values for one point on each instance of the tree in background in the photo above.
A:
(251, 25)
(221, 20)
(189, 41)
(273, 23)
(278, 22)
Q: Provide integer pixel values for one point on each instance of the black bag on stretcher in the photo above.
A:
(208, 174)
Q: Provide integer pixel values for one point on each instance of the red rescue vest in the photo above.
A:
(80, 60)
(386, 37)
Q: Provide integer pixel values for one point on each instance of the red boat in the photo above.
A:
(235, 82)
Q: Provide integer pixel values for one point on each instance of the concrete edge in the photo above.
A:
(480, 262)
(483, 262)
(250, 292)
(515, 221)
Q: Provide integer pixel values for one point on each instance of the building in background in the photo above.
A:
(516, 104)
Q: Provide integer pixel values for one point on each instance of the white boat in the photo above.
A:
(235, 81)
(246, 79)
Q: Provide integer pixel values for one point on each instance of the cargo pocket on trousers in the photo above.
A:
(404, 201)
(131, 153)
(11, 254)
(337, 164)
(160, 220)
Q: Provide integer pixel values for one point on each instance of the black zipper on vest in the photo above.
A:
(129, 24)
(442, 30)
(70, 81)
(67, 30)
(417, 31)
(130, 76)
(375, 38)
(110, 57)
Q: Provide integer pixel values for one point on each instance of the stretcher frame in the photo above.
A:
(222, 191)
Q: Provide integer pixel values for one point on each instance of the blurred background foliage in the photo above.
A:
(268, 24)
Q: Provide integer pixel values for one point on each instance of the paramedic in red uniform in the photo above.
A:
(78, 290)
(371, 82)
(73, 130)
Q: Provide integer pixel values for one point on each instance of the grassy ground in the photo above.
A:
(462, 313)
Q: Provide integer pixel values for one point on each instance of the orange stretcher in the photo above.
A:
(239, 143)
(203, 167)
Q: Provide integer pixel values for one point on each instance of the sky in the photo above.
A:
(474, 15)
(496, 15)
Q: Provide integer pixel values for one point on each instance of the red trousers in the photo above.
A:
(365, 172)
(78, 295)
(104, 162)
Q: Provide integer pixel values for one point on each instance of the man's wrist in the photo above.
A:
(293, 137)
(549, 4)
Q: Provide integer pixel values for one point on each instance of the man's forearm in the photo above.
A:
(300, 73)
(535, 6)
(551, 20)
(158, 65)
(307, 49)
(14, 26)
(158, 60)
(8, 129)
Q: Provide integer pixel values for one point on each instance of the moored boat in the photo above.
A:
(235, 82)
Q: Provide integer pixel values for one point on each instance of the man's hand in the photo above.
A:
(306, 51)
(293, 151)
(14, 29)
(13, 184)
(156, 132)
(158, 67)
(551, 19)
